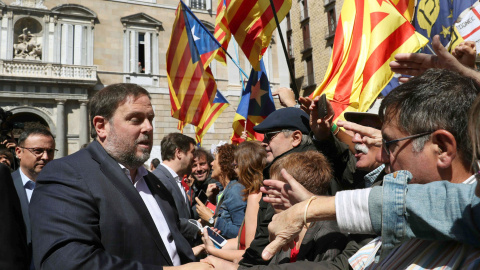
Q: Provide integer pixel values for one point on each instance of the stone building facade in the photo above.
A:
(310, 31)
(55, 54)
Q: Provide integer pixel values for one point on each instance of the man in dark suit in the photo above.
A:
(36, 148)
(100, 208)
(177, 155)
(13, 238)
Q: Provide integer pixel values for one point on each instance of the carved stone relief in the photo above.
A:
(29, 39)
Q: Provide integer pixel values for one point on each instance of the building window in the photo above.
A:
(140, 51)
(310, 77)
(200, 4)
(73, 44)
(303, 9)
(332, 22)
(306, 36)
(74, 35)
(141, 44)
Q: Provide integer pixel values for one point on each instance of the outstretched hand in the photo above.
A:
(283, 195)
(417, 63)
(370, 136)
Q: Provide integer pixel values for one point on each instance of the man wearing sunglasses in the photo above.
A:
(36, 147)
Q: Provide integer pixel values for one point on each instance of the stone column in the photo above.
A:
(83, 133)
(61, 134)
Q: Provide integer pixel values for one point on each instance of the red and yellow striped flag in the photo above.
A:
(221, 32)
(192, 88)
(405, 7)
(252, 24)
(369, 34)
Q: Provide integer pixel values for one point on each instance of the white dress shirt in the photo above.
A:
(177, 180)
(155, 212)
(28, 185)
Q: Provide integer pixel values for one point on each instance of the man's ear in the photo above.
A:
(446, 147)
(296, 138)
(18, 152)
(101, 127)
(178, 154)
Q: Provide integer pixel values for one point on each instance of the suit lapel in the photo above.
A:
(172, 186)
(111, 169)
(167, 205)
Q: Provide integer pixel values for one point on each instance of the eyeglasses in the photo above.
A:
(386, 144)
(268, 136)
(38, 152)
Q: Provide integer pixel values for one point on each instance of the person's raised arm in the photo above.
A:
(415, 64)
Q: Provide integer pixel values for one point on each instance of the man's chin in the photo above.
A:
(201, 178)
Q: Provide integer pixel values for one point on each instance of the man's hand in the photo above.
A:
(9, 143)
(416, 63)
(286, 96)
(286, 226)
(321, 126)
(219, 263)
(203, 212)
(283, 195)
(370, 136)
(212, 190)
(466, 53)
(284, 230)
(192, 266)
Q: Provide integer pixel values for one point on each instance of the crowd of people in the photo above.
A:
(393, 190)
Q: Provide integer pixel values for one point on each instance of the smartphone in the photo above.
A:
(322, 106)
(216, 238)
(202, 197)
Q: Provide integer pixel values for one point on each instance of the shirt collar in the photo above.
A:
(141, 172)
(25, 178)
(172, 172)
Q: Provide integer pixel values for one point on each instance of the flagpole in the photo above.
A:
(213, 38)
(294, 85)
(235, 62)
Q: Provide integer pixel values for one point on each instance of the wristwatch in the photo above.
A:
(211, 221)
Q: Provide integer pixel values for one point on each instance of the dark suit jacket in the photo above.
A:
(85, 213)
(22, 195)
(13, 239)
(189, 230)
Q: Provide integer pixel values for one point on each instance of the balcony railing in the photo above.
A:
(36, 70)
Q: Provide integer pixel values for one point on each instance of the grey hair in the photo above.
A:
(306, 139)
(437, 99)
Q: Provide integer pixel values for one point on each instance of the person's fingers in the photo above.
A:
(273, 200)
(273, 184)
(199, 202)
(273, 248)
(404, 79)
(372, 141)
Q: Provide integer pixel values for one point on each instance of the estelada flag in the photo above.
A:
(368, 36)
(252, 23)
(255, 105)
(220, 103)
(192, 87)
